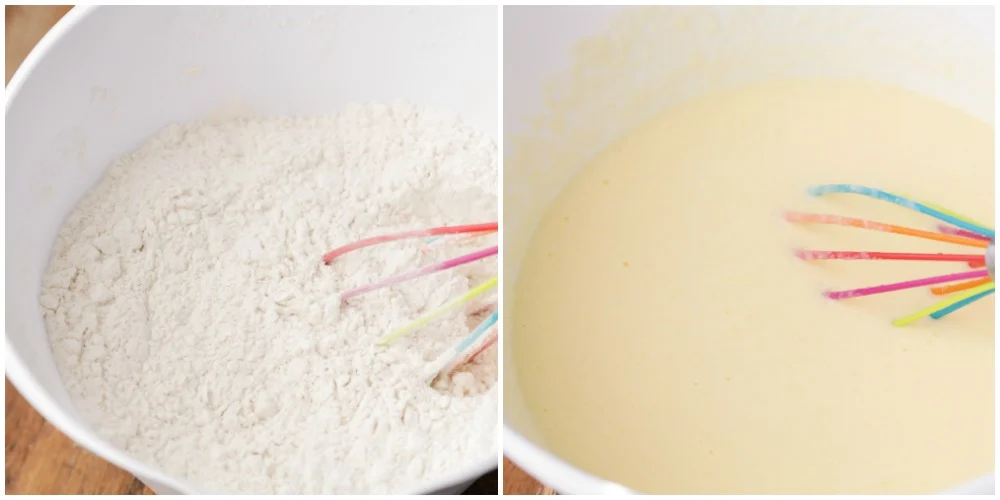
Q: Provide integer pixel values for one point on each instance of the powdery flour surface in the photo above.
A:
(196, 326)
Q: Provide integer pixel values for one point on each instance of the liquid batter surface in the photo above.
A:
(666, 338)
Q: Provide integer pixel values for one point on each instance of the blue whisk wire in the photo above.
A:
(960, 304)
(903, 202)
(479, 331)
(972, 230)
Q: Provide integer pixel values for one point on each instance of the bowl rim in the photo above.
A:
(553, 471)
(31, 390)
(567, 479)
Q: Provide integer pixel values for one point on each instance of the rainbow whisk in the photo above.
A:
(480, 338)
(959, 289)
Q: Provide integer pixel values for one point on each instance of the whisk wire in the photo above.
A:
(451, 359)
(466, 350)
(962, 303)
(879, 226)
(958, 300)
(418, 323)
(454, 356)
(903, 285)
(961, 232)
(945, 211)
(845, 255)
(950, 218)
(479, 331)
(957, 229)
(420, 233)
(958, 287)
(423, 271)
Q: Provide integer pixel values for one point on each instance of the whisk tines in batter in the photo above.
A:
(961, 288)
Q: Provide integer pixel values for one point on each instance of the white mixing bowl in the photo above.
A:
(106, 78)
(576, 78)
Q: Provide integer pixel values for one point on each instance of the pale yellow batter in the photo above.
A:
(665, 338)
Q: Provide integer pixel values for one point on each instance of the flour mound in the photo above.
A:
(196, 327)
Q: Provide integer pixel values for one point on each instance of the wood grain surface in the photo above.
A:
(39, 458)
(518, 482)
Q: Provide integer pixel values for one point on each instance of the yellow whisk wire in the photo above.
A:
(954, 299)
(976, 285)
(431, 316)
(945, 211)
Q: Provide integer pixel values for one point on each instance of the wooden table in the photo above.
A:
(39, 458)
(518, 482)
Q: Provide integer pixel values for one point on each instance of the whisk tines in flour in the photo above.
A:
(480, 339)
(469, 347)
(961, 288)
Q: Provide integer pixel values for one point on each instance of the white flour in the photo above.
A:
(196, 327)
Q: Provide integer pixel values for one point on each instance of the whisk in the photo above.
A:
(481, 338)
(960, 289)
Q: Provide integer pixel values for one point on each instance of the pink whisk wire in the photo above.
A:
(961, 232)
(903, 285)
(955, 229)
(850, 255)
(423, 271)
(420, 233)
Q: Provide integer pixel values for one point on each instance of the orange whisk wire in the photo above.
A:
(961, 288)
(887, 228)
(958, 287)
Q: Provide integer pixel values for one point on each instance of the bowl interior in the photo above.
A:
(106, 78)
(576, 78)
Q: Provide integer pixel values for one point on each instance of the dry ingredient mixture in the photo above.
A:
(196, 327)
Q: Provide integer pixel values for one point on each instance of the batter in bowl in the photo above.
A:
(667, 339)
